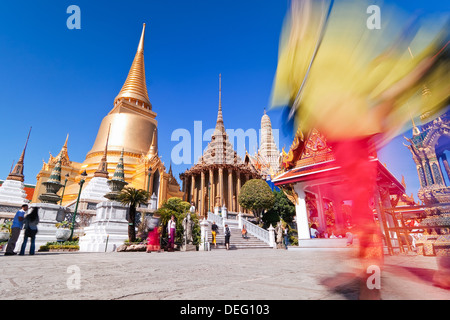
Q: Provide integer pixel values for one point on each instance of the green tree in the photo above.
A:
(283, 209)
(132, 197)
(256, 196)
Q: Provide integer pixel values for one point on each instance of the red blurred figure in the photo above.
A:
(355, 157)
(359, 88)
(153, 239)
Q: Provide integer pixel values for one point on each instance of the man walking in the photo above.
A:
(16, 227)
(227, 237)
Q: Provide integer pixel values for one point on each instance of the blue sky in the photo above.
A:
(63, 81)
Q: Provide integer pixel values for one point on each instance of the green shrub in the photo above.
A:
(60, 245)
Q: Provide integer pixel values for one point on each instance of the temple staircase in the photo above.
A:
(236, 239)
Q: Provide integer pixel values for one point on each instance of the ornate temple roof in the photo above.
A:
(220, 152)
(220, 149)
(135, 87)
(311, 158)
(172, 181)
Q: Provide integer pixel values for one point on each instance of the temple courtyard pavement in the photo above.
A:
(246, 274)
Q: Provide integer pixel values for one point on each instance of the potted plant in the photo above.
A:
(63, 230)
(5, 231)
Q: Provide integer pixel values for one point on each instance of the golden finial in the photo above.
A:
(65, 143)
(141, 41)
(220, 91)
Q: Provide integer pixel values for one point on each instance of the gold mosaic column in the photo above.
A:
(230, 190)
(211, 195)
(238, 189)
(221, 197)
(202, 194)
(192, 188)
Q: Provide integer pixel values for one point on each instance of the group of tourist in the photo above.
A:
(215, 232)
(30, 221)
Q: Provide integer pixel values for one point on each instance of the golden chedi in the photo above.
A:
(130, 128)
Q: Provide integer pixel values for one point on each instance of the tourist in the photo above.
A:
(30, 222)
(314, 232)
(227, 237)
(171, 231)
(153, 241)
(286, 236)
(16, 227)
(244, 232)
(192, 208)
(214, 231)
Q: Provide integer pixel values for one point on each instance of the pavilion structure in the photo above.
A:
(216, 179)
(312, 181)
(430, 147)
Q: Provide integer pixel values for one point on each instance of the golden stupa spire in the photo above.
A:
(135, 88)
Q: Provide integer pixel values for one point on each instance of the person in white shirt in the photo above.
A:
(171, 231)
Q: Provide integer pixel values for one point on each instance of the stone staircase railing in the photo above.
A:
(258, 232)
(212, 217)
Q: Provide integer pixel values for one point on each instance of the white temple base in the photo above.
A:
(49, 215)
(108, 231)
(13, 192)
(96, 189)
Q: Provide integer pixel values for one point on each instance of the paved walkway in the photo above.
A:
(252, 274)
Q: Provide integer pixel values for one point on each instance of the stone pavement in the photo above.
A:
(250, 274)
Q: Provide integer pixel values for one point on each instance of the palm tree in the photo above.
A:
(132, 197)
